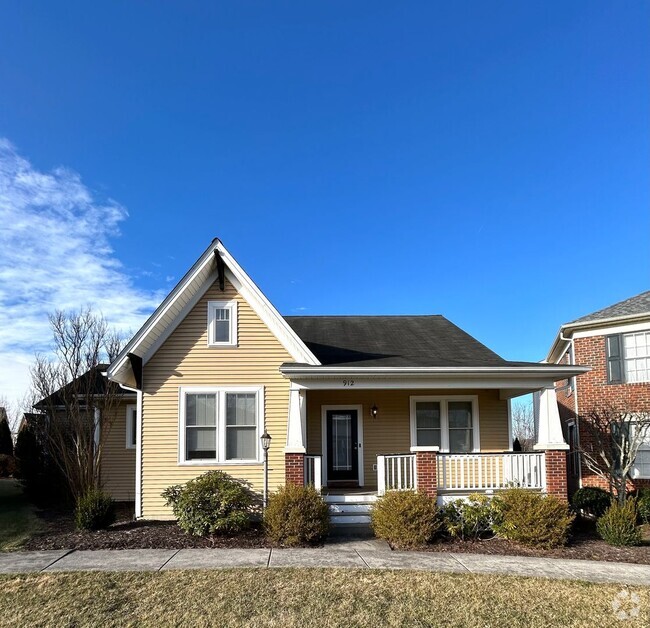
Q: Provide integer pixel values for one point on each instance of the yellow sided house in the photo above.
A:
(355, 405)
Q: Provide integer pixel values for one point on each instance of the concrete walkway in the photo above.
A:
(364, 554)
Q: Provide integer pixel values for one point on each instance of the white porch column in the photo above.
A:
(549, 425)
(297, 425)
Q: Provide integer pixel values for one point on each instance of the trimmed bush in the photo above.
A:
(469, 519)
(618, 526)
(213, 503)
(405, 518)
(94, 511)
(591, 501)
(296, 515)
(532, 519)
(7, 466)
(643, 506)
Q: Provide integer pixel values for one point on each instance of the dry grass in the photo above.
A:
(18, 522)
(299, 597)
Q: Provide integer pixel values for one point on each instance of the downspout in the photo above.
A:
(572, 359)
(138, 449)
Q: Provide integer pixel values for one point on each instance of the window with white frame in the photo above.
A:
(220, 425)
(641, 468)
(628, 357)
(222, 323)
(131, 426)
(450, 423)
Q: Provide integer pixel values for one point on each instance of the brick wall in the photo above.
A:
(556, 474)
(294, 469)
(593, 391)
(426, 465)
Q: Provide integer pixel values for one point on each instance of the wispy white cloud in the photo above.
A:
(55, 253)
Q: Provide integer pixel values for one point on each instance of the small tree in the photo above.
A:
(6, 442)
(523, 424)
(611, 439)
(76, 397)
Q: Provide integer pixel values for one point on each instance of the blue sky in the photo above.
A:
(488, 161)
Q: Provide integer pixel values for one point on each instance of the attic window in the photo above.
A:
(222, 323)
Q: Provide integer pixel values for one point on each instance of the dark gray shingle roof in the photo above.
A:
(392, 341)
(640, 304)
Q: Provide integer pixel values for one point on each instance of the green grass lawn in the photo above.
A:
(300, 597)
(17, 518)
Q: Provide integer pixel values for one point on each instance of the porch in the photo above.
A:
(449, 443)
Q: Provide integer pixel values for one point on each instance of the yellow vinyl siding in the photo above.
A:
(118, 462)
(390, 432)
(185, 359)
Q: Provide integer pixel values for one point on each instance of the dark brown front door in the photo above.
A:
(342, 447)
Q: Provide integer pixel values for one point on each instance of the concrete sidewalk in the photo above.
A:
(363, 554)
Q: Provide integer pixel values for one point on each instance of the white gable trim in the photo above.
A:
(242, 283)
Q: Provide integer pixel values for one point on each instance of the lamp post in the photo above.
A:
(266, 443)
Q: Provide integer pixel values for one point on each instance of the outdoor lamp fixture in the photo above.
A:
(374, 411)
(266, 443)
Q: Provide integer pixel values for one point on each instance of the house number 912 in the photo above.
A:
(348, 382)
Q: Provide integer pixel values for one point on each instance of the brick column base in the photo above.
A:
(294, 469)
(426, 469)
(556, 473)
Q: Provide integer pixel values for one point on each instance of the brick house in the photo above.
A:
(615, 343)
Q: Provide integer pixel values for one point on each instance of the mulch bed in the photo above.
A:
(59, 533)
(584, 544)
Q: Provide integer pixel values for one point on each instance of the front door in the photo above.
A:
(342, 447)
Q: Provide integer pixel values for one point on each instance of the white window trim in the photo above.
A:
(444, 419)
(131, 418)
(222, 305)
(634, 471)
(220, 391)
(625, 359)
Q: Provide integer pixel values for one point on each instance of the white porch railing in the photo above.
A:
(313, 472)
(480, 472)
(396, 472)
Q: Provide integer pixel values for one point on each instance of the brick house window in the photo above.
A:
(628, 358)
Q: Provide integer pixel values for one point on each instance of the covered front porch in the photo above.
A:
(444, 440)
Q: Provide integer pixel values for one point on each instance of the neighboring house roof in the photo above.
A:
(640, 304)
(630, 310)
(93, 381)
(393, 341)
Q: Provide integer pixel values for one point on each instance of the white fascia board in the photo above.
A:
(542, 371)
(247, 288)
(265, 310)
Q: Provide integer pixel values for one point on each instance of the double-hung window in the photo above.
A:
(222, 323)
(220, 425)
(628, 358)
(450, 423)
(641, 468)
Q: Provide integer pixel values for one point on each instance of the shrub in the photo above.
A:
(94, 511)
(296, 515)
(531, 519)
(643, 506)
(591, 500)
(405, 518)
(618, 525)
(469, 519)
(213, 503)
(7, 466)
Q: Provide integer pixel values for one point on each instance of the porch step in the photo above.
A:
(350, 509)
